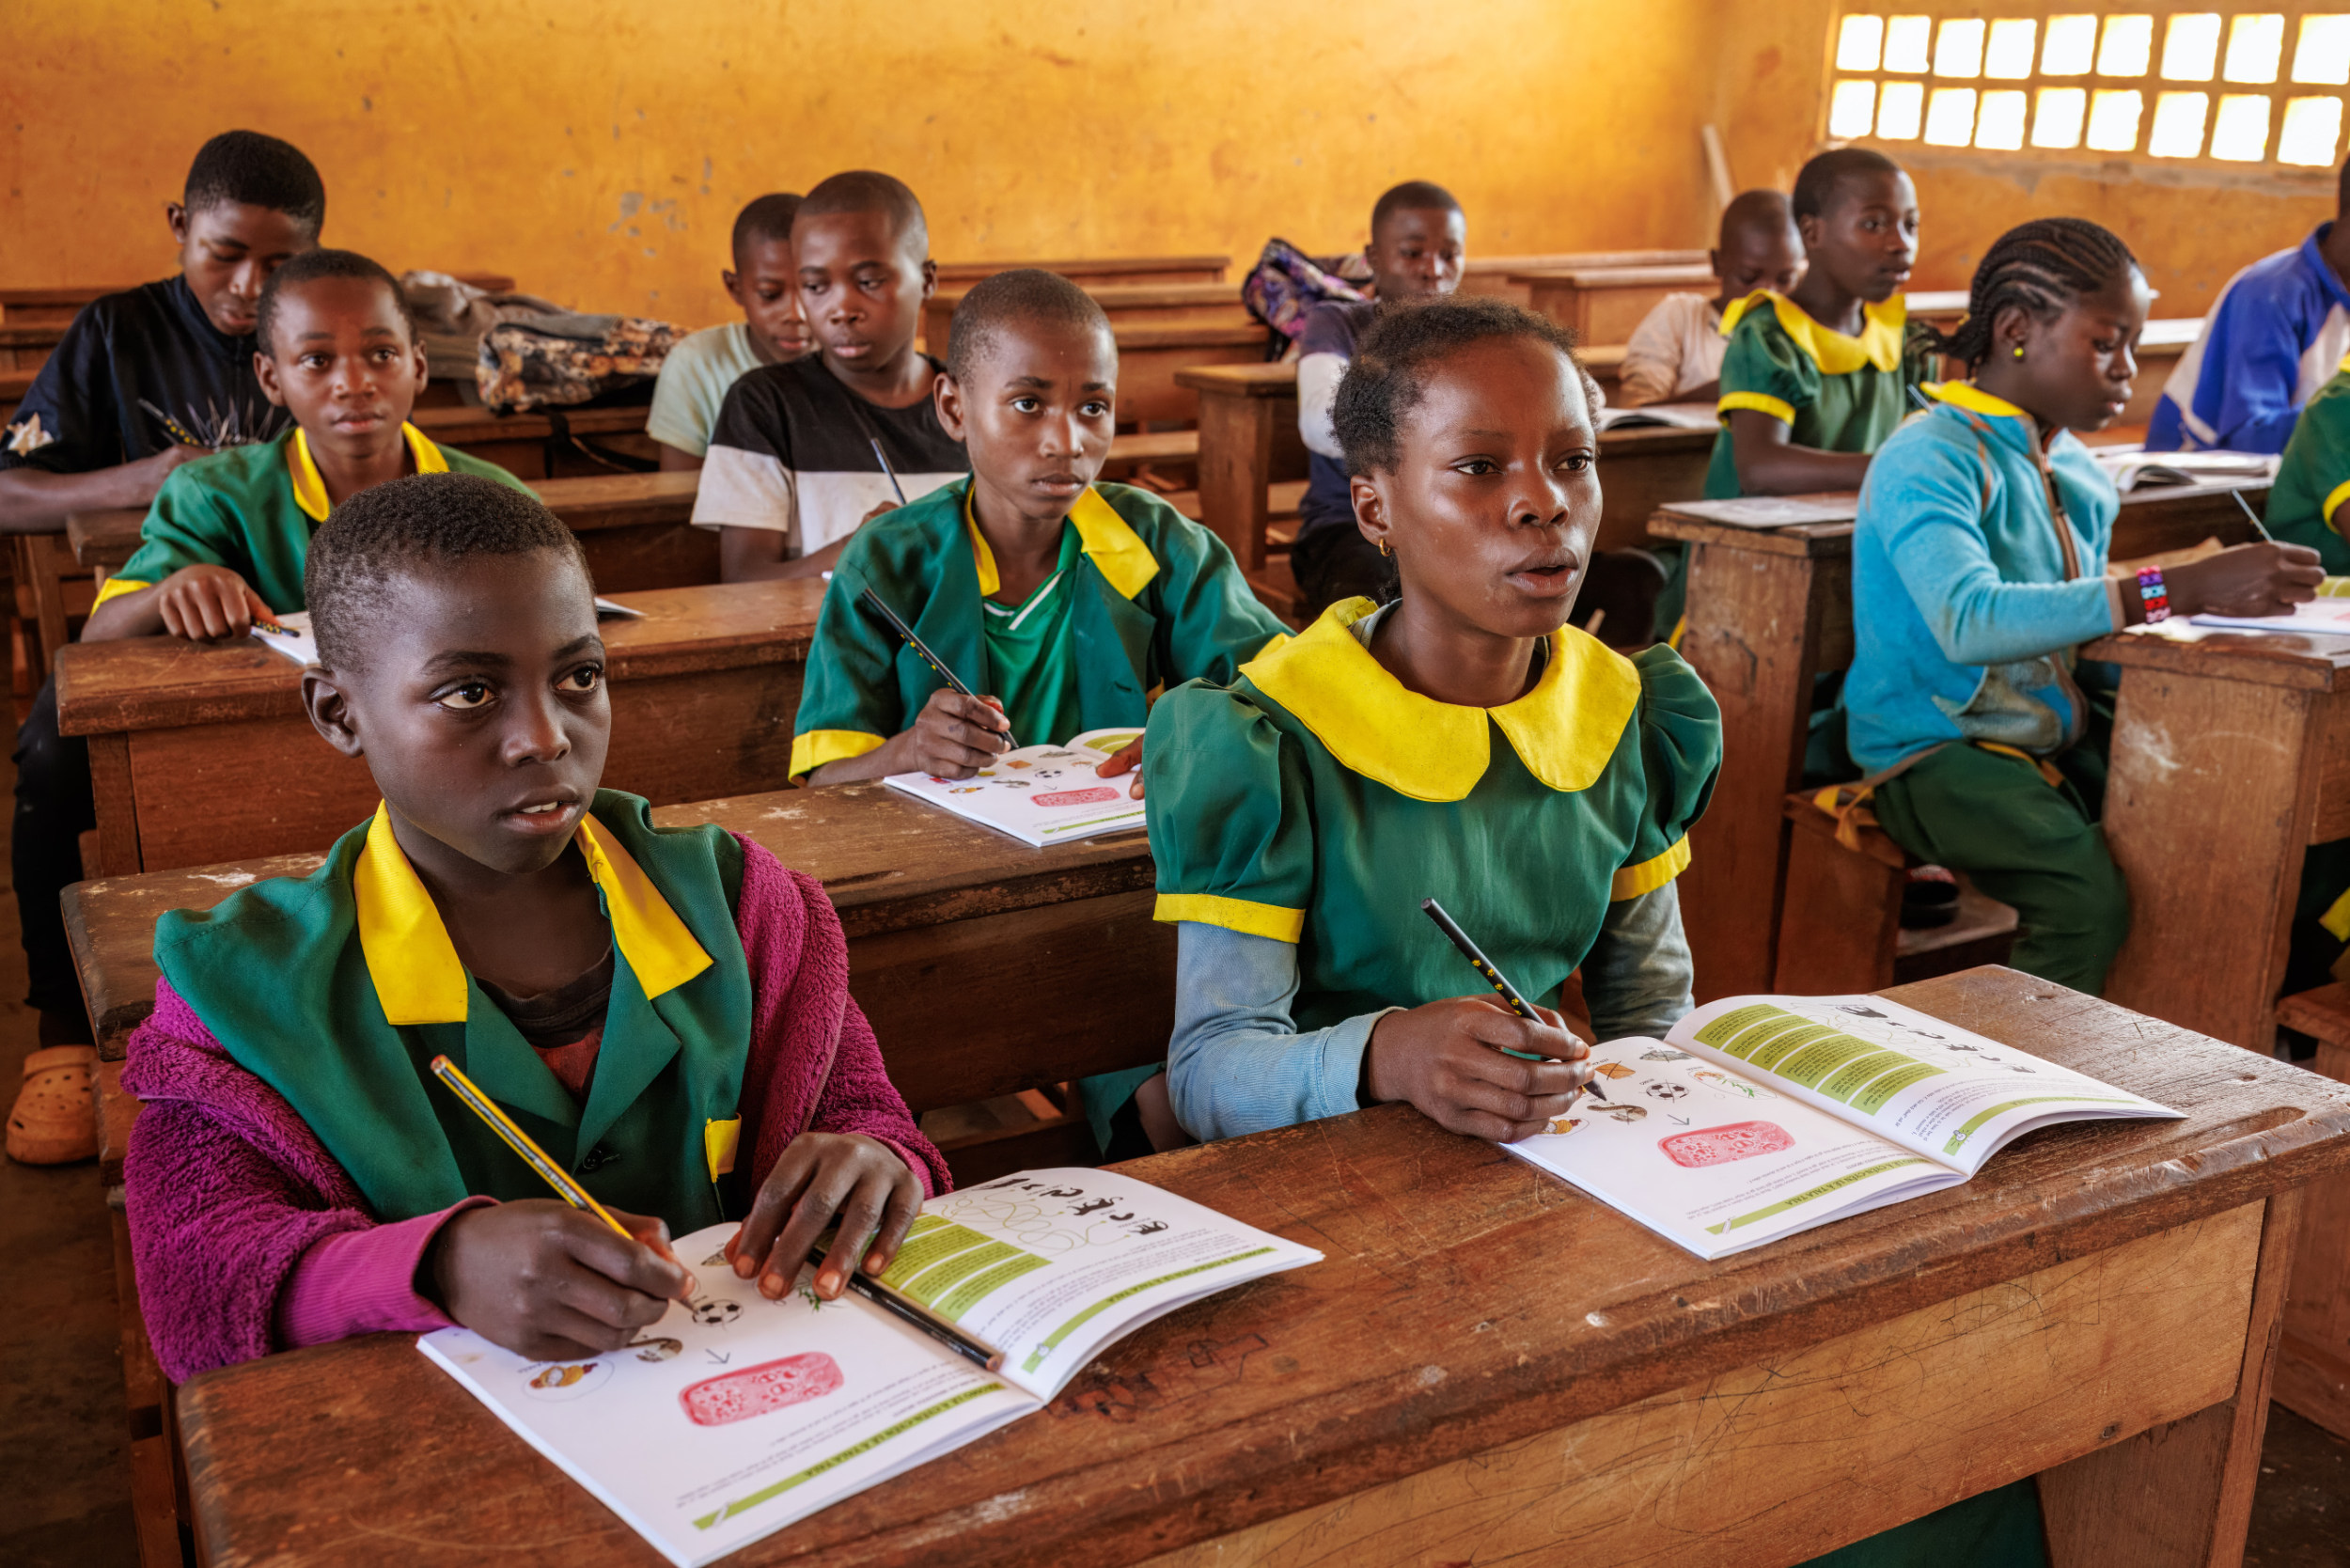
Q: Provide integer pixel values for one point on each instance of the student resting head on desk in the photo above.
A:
(1675, 354)
(1418, 244)
(225, 540)
(148, 378)
(1071, 603)
(1979, 566)
(796, 462)
(705, 365)
(664, 1012)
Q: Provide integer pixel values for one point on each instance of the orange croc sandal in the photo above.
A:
(56, 1118)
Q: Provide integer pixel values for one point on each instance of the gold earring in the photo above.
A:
(1383, 548)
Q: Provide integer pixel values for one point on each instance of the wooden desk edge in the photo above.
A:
(2261, 659)
(1816, 540)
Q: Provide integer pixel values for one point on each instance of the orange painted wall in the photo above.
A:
(598, 150)
(2191, 229)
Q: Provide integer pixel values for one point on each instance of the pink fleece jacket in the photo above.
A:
(248, 1238)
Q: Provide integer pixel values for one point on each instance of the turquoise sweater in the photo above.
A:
(1964, 618)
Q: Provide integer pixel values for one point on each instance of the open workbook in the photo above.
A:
(735, 1416)
(1758, 1116)
(1040, 795)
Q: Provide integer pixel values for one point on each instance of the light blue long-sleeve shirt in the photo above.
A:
(1964, 618)
(1238, 1063)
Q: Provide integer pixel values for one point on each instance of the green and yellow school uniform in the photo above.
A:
(1143, 598)
(2313, 478)
(253, 510)
(338, 990)
(1833, 392)
(1316, 800)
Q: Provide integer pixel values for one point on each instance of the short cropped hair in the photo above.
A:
(314, 264)
(1405, 340)
(1818, 181)
(253, 170)
(408, 526)
(868, 191)
(1755, 211)
(1411, 195)
(1022, 295)
(768, 217)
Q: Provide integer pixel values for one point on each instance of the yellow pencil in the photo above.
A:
(518, 1141)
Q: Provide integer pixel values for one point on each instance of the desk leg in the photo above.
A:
(2180, 1494)
(1235, 469)
(2208, 807)
(116, 807)
(1748, 615)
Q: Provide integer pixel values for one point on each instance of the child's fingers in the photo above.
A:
(769, 1210)
(627, 1262)
(860, 1216)
(821, 1200)
(905, 1201)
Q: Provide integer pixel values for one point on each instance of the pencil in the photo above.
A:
(2253, 517)
(954, 682)
(889, 473)
(1510, 994)
(520, 1141)
(915, 1315)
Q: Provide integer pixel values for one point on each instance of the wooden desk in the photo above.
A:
(1249, 445)
(1768, 609)
(1603, 305)
(2231, 754)
(1138, 304)
(25, 306)
(202, 753)
(27, 346)
(541, 445)
(1102, 269)
(1152, 358)
(1441, 1382)
(1504, 275)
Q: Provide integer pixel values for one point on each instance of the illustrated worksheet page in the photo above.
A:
(1040, 795)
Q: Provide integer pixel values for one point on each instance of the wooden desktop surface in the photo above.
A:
(1486, 1352)
(1096, 271)
(201, 753)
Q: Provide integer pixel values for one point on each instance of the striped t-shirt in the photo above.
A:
(793, 451)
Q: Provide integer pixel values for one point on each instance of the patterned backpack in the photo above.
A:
(561, 361)
(1284, 285)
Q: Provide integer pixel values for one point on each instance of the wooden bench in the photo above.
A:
(1603, 305)
(13, 386)
(1440, 1381)
(27, 306)
(1090, 272)
(2313, 1362)
(1126, 304)
(201, 753)
(27, 346)
(1503, 274)
(552, 444)
(1839, 923)
(1769, 609)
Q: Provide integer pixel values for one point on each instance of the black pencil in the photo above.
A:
(954, 682)
(914, 1314)
(1499, 981)
(889, 473)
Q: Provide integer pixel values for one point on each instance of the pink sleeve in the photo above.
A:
(363, 1282)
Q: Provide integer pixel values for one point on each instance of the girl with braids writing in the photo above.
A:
(1978, 567)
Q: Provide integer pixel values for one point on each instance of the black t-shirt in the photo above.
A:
(136, 373)
(793, 452)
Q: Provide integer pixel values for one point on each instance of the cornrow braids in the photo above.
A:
(1405, 339)
(2035, 267)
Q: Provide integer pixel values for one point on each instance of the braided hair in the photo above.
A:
(2036, 268)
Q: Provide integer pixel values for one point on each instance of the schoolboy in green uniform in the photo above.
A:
(1814, 381)
(2313, 478)
(663, 1010)
(227, 536)
(1072, 603)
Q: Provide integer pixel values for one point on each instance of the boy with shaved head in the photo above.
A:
(1675, 354)
(805, 452)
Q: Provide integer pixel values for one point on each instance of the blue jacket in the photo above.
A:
(2274, 336)
(1964, 621)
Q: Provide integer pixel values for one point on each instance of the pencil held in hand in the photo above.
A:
(1500, 982)
(521, 1142)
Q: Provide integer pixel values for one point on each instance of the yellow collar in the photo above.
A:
(310, 485)
(417, 974)
(1879, 343)
(1118, 552)
(1564, 730)
(1967, 395)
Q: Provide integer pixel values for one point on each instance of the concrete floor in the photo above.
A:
(65, 1480)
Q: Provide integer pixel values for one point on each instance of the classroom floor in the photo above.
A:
(65, 1479)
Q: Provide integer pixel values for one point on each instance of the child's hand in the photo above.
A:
(953, 736)
(547, 1281)
(2248, 580)
(154, 469)
(879, 511)
(1128, 759)
(1443, 1058)
(822, 1175)
(207, 602)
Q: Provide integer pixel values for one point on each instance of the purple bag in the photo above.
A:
(1286, 283)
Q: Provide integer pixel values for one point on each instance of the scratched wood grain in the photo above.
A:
(1541, 1308)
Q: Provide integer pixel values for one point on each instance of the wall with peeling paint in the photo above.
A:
(598, 150)
(2192, 229)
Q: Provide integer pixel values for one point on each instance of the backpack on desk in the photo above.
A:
(1284, 285)
(562, 361)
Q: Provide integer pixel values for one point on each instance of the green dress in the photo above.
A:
(1834, 393)
(253, 510)
(2313, 478)
(1153, 599)
(338, 990)
(1316, 800)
